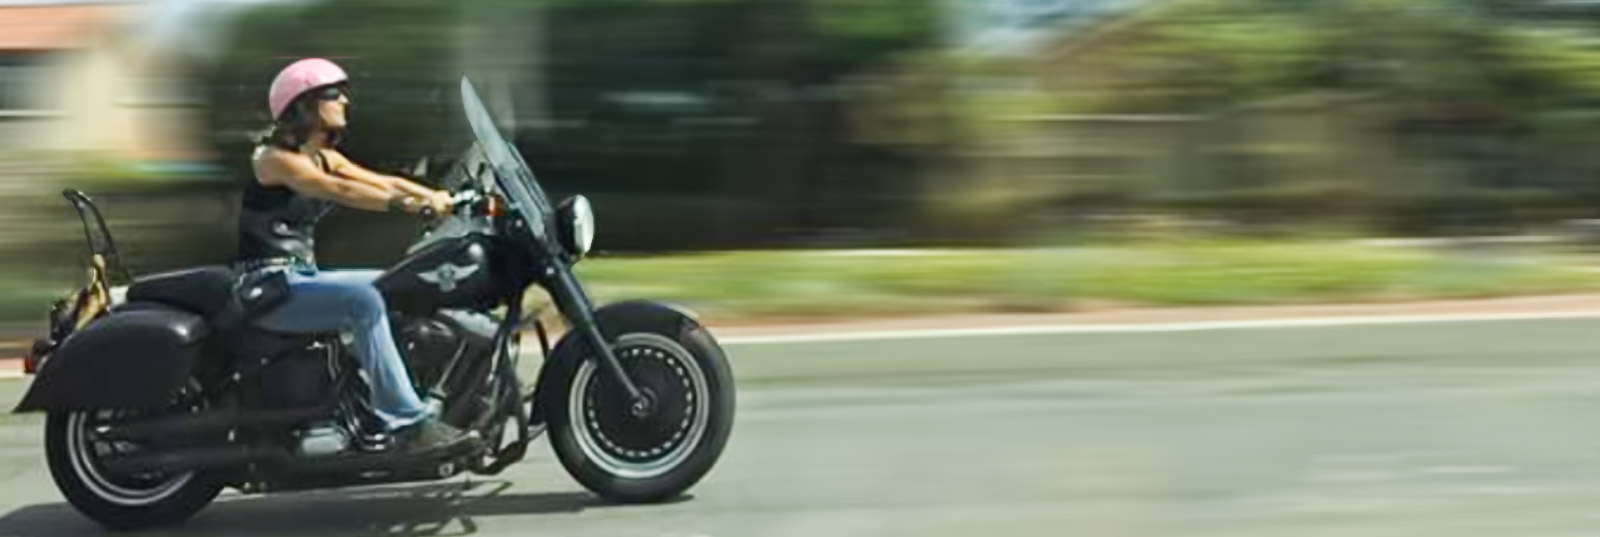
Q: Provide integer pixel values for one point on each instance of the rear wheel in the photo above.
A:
(75, 451)
(630, 456)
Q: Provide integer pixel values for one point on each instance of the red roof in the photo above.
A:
(52, 27)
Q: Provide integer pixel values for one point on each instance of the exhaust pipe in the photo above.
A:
(182, 460)
(206, 422)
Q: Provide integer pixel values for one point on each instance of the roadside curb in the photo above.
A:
(1125, 328)
(10, 368)
(1133, 320)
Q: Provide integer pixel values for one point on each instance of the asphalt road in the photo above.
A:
(1453, 429)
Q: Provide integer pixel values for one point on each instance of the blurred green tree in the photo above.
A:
(1210, 54)
(399, 54)
(741, 99)
(747, 100)
(1482, 97)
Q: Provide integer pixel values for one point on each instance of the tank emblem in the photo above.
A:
(447, 274)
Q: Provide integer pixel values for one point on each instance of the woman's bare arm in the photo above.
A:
(299, 174)
(345, 167)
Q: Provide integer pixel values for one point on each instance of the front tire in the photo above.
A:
(631, 459)
(117, 502)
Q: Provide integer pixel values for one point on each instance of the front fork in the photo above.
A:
(574, 304)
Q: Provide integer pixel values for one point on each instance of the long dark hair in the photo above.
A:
(299, 121)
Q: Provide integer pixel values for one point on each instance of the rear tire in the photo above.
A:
(636, 460)
(117, 502)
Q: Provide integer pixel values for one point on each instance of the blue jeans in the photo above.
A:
(346, 301)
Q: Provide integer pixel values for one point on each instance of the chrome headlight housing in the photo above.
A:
(576, 220)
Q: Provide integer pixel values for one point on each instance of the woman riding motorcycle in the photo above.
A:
(299, 177)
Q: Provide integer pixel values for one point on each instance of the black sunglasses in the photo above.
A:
(330, 93)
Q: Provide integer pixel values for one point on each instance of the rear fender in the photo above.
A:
(134, 358)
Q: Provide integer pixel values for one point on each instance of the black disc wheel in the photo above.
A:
(76, 451)
(647, 450)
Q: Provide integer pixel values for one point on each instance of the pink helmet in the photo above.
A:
(300, 77)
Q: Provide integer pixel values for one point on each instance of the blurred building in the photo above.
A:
(1022, 26)
(79, 77)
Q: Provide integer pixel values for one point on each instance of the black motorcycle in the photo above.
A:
(160, 393)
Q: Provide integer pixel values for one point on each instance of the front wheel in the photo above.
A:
(628, 456)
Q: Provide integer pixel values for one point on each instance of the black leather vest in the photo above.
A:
(278, 224)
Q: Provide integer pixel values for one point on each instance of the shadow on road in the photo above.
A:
(418, 510)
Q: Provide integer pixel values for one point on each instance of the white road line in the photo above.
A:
(1353, 476)
(1468, 470)
(826, 337)
(1327, 505)
(1505, 490)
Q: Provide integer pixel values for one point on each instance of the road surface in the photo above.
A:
(1476, 429)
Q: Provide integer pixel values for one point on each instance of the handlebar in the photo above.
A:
(465, 197)
(459, 201)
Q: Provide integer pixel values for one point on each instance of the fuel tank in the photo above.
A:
(457, 273)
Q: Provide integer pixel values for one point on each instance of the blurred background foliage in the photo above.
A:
(694, 123)
(738, 124)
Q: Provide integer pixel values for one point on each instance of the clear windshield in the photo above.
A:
(510, 170)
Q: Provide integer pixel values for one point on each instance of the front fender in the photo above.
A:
(614, 320)
(643, 316)
(131, 359)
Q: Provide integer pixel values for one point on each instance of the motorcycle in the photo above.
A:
(160, 393)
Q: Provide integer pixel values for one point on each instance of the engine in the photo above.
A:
(447, 354)
(428, 344)
(300, 378)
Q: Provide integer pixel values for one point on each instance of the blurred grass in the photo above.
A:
(800, 285)
(27, 297)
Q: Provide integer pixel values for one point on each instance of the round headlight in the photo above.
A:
(577, 217)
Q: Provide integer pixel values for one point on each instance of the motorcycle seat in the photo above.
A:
(202, 290)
